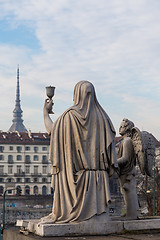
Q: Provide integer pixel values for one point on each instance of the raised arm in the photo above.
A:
(47, 120)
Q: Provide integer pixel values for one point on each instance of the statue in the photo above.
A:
(82, 154)
(135, 146)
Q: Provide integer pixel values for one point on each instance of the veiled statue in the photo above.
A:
(135, 146)
(82, 154)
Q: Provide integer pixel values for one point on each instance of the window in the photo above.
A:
(10, 148)
(10, 169)
(1, 157)
(44, 180)
(19, 170)
(27, 159)
(10, 157)
(35, 158)
(35, 149)
(19, 149)
(19, 157)
(44, 148)
(27, 148)
(44, 169)
(27, 169)
(10, 191)
(19, 180)
(35, 179)
(44, 157)
(35, 190)
(1, 148)
(1, 179)
(1, 169)
(35, 169)
(9, 180)
(27, 180)
(44, 190)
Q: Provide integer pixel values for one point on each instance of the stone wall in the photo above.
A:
(13, 214)
(25, 207)
(28, 201)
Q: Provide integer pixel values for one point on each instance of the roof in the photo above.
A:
(28, 138)
(24, 138)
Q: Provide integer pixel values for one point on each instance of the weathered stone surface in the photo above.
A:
(75, 229)
(142, 224)
(91, 227)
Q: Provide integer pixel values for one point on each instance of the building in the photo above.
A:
(24, 156)
(24, 162)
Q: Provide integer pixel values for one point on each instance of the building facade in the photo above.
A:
(24, 163)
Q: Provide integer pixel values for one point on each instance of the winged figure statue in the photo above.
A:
(135, 146)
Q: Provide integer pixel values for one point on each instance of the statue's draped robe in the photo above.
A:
(82, 154)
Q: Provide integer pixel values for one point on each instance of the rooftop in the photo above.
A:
(24, 138)
(37, 138)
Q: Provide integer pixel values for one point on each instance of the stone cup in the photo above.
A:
(50, 93)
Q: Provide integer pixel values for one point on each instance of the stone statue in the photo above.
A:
(82, 154)
(135, 146)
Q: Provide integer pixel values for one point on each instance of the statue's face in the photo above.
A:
(122, 128)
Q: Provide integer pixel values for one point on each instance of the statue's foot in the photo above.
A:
(48, 219)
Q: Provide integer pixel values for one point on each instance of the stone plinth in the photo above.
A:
(147, 224)
(72, 229)
(88, 227)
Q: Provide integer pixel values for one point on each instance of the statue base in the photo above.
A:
(97, 225)
(87, 227)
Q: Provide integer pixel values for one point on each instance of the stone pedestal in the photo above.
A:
(72, 229)
(88, 227)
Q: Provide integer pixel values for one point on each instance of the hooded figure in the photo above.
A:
(82, 154)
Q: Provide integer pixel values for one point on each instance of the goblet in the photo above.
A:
(50, 93)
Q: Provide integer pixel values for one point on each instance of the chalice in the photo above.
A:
(50, 93)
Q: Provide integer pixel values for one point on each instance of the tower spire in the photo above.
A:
(17, 112)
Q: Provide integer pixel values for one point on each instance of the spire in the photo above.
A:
(17, 112)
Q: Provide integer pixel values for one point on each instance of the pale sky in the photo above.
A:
(115, 44)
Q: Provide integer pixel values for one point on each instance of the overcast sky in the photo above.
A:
(115, 44)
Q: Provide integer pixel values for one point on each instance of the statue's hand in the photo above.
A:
(48, 105)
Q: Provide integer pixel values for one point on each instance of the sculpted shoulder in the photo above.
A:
(127, 141)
